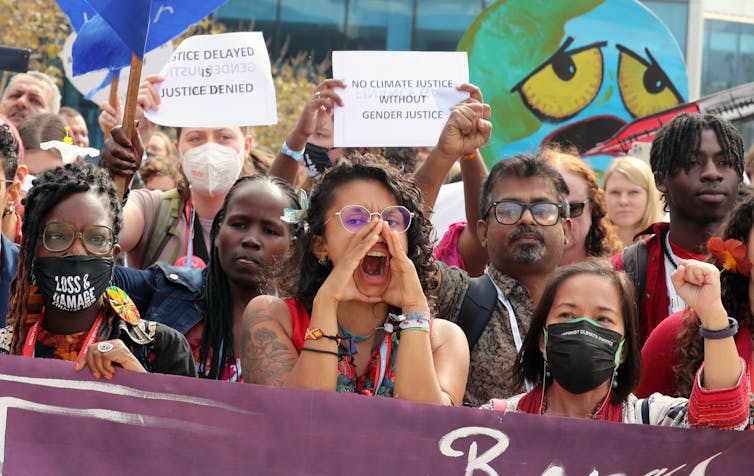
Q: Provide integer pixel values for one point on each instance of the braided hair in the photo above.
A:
(48, 190)
(678, 142)
(218, 322)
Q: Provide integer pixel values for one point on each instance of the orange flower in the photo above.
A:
(731, 254)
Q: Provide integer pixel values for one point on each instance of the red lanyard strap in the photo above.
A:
(31, 337)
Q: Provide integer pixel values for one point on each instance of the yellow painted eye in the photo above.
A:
(566, 84)
(644, 86)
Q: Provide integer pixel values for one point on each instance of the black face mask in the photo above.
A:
(316, 160)
(581, 354)
(72, 283)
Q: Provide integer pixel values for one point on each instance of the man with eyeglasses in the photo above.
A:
(524, 227)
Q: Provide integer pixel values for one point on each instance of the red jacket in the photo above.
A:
(655, 302)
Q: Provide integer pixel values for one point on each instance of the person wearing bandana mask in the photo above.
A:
(308, 150)
(62, 305)
(582, 355)
(211, 160)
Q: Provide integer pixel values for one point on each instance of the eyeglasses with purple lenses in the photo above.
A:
(355, 217)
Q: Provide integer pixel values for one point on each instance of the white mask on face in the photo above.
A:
(212, 168)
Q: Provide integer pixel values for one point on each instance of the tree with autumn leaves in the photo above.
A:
(33, 24)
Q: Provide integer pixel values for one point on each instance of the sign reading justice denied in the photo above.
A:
(217, 81)
(396, 98)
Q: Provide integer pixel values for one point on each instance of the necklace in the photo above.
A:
(665, 249)
(353, 339)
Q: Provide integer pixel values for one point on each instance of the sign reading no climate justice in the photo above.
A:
(396, 98)
(217, 81)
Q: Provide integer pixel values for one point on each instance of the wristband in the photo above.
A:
(470, 156)
(320, 351)
(418, 320)
(729, 331)
(296, 155)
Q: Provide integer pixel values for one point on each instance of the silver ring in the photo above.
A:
(317, 94)
(104, 347)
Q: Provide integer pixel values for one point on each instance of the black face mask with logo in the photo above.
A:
(316, 160)
(72, 283)
(581, 354)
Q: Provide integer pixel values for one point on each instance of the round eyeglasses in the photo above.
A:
(355, 217)
(97, 240)
(509, 212)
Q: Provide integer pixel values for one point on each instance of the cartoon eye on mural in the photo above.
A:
(570, 72)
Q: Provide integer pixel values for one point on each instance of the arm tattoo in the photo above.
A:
(267, 360)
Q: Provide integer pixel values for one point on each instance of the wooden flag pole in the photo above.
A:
(114, 81)
(129, 113)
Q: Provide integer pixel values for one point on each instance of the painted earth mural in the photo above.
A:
(571, 72)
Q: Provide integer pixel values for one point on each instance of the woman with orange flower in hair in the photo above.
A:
(674, 349)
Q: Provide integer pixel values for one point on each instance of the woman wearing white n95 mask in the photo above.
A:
(211, 168)
(211, 160)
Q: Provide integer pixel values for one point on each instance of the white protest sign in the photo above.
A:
(217, 81)
(396, 98)
(84, 83)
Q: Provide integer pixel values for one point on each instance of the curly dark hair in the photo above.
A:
(48, 190)
(218, 321)
(530, 363)
(734, 287)
(678, 141)
(8, 152)
(601, 240)
(372, 168)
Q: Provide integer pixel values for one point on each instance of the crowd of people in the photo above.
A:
(319, 267)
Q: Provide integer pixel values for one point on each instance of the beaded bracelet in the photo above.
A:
(315, 333)
(319, 351)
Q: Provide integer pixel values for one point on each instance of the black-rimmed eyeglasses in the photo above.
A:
(509, 212)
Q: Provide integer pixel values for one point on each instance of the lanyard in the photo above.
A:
(31, 338)
(512, 319)
(675, 303)
(190, 217)
(511, 315)
(384, 362)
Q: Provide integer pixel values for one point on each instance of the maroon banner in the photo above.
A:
(54, 420)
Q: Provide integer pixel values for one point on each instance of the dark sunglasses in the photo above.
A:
(577, 208)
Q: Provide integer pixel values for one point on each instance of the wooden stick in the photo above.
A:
(114, 81)
(129, 113)
(4, 81)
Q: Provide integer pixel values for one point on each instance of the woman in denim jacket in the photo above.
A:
(249, 244)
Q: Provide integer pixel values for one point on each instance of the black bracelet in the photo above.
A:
(319, 351)
(729, 331)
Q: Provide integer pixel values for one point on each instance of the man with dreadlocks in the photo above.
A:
(62, 305)
(697, 161)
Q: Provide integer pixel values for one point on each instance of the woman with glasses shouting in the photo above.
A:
(62, 304)
(361, 321)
